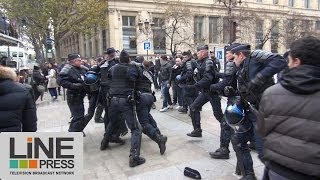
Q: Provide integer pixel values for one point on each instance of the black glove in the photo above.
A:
(78, 86)
(229, 91)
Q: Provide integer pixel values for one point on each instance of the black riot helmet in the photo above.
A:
(235, 118)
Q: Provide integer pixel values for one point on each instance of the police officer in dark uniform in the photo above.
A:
(71, 78)
(185, 79)
(122, 91)
(144, 105)
(120, 127)
(205, 74)
(254, 74)
(229, 80)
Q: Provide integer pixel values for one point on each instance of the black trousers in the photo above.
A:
(149, 125)
(76, 106)
(120, 108)
(202, 99)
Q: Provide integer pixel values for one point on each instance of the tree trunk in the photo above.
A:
(58, 52)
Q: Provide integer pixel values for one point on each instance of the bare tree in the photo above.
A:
(177, 16)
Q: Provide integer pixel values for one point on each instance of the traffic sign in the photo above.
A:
(147, 45)
(49, 40)
(219, 54)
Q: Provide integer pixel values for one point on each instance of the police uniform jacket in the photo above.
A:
(251, 68)
(206, 74)
(122, 79)
(68, 76)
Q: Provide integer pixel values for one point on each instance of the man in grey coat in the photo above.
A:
(289, 116)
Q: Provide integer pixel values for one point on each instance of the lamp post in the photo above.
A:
(146, 28)
(230, 4)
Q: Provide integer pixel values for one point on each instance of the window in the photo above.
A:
(275, 1)
(104, 40)
(317, 25)
(128, 21)
(291, 3)
(159, 36)
(274, 36)
(259, 1)
(306, 3)
(226, 30)
(318, 4)
(198, 23)
(213, 29)
(259, 34)
(129, 34)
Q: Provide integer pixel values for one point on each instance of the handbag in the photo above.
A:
(41, 88)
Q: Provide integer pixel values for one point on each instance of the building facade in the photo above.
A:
(168, 26)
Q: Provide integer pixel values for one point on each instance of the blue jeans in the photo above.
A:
(177, 94)
(166, 95)
(53, 92)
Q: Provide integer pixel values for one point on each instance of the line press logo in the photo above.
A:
(36, 155)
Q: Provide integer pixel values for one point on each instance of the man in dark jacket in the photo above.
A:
(164, 78)
(289, 116)
(37, 79)
(17, 107)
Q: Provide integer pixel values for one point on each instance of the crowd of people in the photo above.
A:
(279, 120)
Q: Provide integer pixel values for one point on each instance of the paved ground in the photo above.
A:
(181, 151)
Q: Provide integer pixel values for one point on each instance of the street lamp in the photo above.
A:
(230, 4)
(145, 27)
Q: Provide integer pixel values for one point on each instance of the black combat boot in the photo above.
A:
(136, 161)
(117, 139)
(195, 133)
(161, 140)
(104, 144)
(221, 153)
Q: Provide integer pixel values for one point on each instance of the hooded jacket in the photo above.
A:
(290, 124)
(17, 108)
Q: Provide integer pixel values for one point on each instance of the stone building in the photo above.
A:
(132, 23)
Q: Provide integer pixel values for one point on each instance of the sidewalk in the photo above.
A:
(181, 150)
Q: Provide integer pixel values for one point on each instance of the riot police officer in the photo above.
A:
(205, 75)
(185, 79)
(146, 99)
(254, 74)
(71, 78)
(229, 80)
(122, 92)
(104, 67)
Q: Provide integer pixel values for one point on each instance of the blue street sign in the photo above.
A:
(219, 54)
(147, 45)
(49, 40)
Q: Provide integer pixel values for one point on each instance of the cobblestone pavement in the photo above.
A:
(182, 151)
